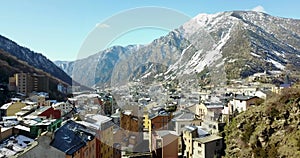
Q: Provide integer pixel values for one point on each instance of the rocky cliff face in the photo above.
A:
(97, 68)
(269, 130)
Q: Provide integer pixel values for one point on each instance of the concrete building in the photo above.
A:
(42, 148)
(26, 83)
(165, 144)
(103, 127)
(132, 125)
(184, 118)
(241, 102)
(209, 109)
(189, 133)
(211, 115)
(207, 147)
(160, 121)
(39, 99)
(14, 141)
(15, 145)
(63, 107)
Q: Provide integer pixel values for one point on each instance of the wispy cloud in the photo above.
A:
(259, 9)
(101, 25)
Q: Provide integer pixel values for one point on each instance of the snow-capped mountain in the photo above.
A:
(229, 45)
(238, 44)
(66, 66)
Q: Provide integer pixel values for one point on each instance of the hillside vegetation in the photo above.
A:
(270, 130)
(9, 65)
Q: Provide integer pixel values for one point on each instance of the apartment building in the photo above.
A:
(26, 83)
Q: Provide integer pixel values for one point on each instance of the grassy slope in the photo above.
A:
(269, 130)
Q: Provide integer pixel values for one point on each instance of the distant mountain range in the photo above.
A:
(31, 59)
(96, 68)
(229, 45)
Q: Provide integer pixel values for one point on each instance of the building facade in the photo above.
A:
(208, 147)
(165, 144)
(26, 83)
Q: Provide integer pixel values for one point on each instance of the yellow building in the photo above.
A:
(201, 110)
(146, 121)
(10, 109)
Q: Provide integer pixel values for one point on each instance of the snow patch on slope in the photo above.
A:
(176, 65)
(147, 75)
(255, 55)
(201, 59)
(276, 64)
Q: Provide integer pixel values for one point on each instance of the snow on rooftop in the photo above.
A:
(98, 118)
(191, 127)
(87, 96)
(22, 128)
(5, 129)
(58, 104)
(72, 99)
(29, 102)
(7, 152)
(15, 99)
(13, 145)
(88, 124)
(23, 141)
(127, 112)
(5, 106)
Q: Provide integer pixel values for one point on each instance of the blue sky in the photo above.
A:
(57, 28)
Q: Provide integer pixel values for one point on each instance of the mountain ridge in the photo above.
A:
(34, 59)
(220, 42)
